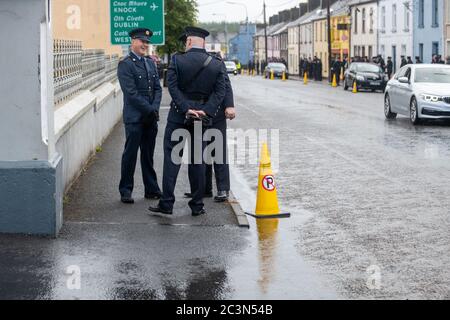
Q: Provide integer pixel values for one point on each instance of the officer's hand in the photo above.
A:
(201, 113)
(192, 113)
(230, 113)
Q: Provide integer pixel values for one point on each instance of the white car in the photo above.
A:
(231, 67)
(419, 91)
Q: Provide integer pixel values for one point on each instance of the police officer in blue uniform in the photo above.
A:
(220, 160)
(142, 93)
(196, 82)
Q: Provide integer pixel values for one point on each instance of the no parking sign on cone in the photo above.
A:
(266, 198)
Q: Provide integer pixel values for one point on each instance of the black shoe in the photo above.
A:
(222, 196)
(159, 210)
(206, 195)
(127, 199)
(198, 213)
(153, 196)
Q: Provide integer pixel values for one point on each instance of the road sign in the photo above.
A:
(128, 15)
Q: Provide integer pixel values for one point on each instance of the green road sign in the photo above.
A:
(128, 15)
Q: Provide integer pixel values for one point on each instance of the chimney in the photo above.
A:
(324, 3)
(303, 9)
(313, 5)
(295, 13)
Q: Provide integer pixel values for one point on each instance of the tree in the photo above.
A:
(179, 14)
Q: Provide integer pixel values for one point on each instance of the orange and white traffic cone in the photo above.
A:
(266, 198)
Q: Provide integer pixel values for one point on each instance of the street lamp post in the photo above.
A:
(246, 22)
(329, 38)
(226, 30)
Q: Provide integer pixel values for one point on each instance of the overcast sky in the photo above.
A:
(234, 13)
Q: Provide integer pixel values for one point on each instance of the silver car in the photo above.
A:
(420, 91)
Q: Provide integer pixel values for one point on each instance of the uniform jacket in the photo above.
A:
(210, 84)
(141, 88)
(228, 101)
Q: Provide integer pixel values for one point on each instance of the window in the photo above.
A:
(363, 23)
(383, 18)
(403, 50)
(356, 20)
(448, 10)
(370, 52)
(407, 17)
(382, 50)
(371, 20)
(435, 48)
(435, 14)
(421, 13)
(394, 18)
(321, 31)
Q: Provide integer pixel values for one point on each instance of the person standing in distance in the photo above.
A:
(142, 94)
(196, 82)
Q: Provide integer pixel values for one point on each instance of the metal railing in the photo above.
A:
(67, 73)
(76, 69)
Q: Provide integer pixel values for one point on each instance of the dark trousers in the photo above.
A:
(221, 167)
(196, 171)
(138, 137)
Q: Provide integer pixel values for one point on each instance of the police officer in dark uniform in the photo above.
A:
(220, 159)
(142, 93)
(196, 82)
(389, 67)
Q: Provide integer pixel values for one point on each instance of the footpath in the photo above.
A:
(110, 250)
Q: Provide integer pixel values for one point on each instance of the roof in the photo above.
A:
(270, 29)
(309, 17)
(302, 19)
(281, 30)
(337, 9)
(358, 2)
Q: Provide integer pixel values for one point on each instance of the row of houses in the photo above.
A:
(365, 28)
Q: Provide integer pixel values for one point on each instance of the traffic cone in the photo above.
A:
(355, 87)
(283, 78)
(266, 198)
(272, 76)
(305, 78)
(334, 84)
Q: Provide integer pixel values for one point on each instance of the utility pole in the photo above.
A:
(329, 38)
(265, 33)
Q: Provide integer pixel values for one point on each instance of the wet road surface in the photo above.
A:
(370, 204)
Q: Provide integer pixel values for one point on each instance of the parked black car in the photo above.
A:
(366, 75)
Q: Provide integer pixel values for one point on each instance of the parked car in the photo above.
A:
(278, 68)
(420, 91)
(366, 76)
(231, 67)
